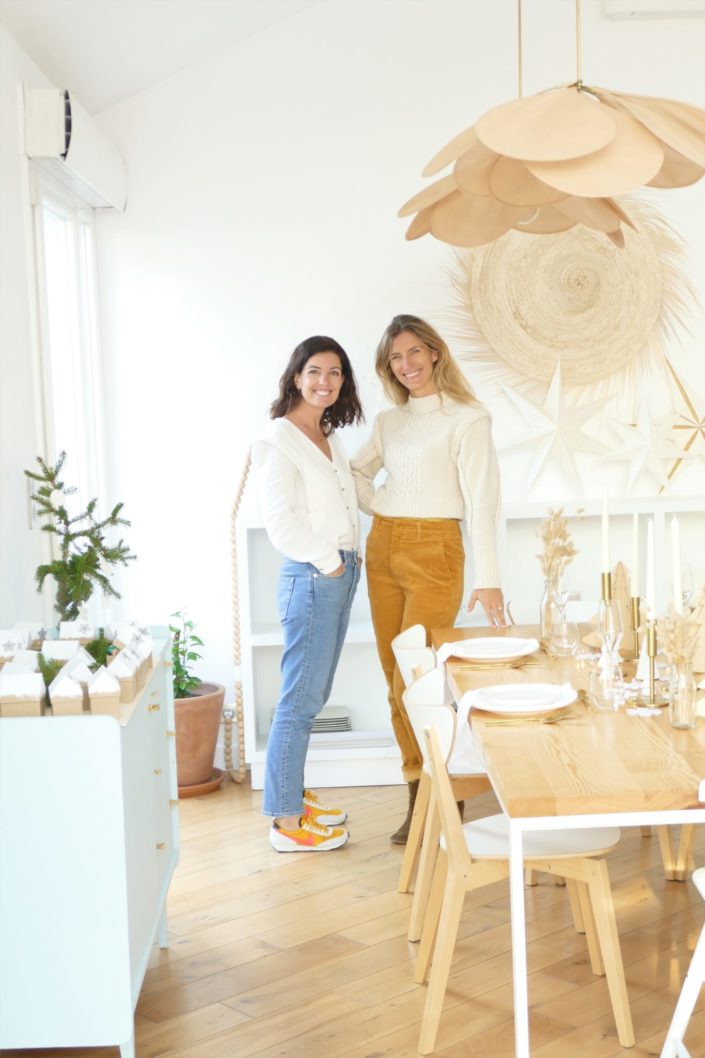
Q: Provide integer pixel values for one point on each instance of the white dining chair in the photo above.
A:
(411, 654)
(413, 659)
(468, 775)
(468, 779)
(474, 854)
(673, 1046)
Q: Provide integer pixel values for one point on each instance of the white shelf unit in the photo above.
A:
(365, 756)
(368, 755)
(88, 846)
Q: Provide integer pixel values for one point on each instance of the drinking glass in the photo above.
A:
(574, 638)
(609, 625)
(606, 685)
(687, 584)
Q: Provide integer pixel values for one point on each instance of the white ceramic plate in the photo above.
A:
(523, 698)
(495, 648)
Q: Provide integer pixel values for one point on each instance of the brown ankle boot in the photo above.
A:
(399, 836)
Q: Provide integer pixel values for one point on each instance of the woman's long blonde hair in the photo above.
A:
(447, 376)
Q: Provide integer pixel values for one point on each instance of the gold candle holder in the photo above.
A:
(651, 652)
(636, 623)
(606, 577)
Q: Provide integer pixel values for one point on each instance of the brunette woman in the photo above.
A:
(307, 497)
(436, 447)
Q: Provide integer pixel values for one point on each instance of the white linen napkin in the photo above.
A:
(465, 758)
(443, 653)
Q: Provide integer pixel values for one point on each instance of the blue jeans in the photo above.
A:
(314, 611)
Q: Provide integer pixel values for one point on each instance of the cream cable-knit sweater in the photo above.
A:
(441, 463)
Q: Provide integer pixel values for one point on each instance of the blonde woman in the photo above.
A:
(436, 447)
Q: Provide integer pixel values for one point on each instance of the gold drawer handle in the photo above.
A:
(153, 707)
(173, 802)
(172, 733)
(161, 845)
(157, 771)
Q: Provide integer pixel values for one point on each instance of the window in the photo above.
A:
(69, 337)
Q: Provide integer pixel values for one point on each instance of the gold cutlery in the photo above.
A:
(549, 718)
(502, 663)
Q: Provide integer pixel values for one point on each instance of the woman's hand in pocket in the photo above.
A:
(336, 572)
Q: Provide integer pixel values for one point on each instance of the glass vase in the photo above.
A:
(681, 697)
(554, 628)
(548, 611)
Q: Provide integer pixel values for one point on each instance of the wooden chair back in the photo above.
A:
(451, 827)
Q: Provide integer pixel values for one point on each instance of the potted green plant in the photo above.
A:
(198, 707)
(84, 555)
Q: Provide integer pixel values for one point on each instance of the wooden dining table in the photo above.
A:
(595, 768)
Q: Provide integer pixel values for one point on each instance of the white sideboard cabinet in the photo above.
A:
(88, 845)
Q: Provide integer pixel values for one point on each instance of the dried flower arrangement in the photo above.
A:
(677, 633)
(558, 549)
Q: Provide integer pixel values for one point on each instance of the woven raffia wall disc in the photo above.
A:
(527, 302)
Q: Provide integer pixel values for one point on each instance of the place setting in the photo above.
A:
(490, 652)
(545, 703)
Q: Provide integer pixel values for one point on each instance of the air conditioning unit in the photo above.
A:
(65, 141)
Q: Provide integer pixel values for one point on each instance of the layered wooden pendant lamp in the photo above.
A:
(544, 163)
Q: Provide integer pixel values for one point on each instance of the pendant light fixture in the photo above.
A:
(544, 163)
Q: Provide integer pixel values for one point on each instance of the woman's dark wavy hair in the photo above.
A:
(347, 408)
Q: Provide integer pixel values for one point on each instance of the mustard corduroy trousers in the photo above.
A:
(414, 576)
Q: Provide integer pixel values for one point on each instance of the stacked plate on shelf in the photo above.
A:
(332, 718)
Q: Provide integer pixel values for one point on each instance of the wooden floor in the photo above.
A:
(305, 956)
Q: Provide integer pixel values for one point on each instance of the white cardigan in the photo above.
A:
(308, 502)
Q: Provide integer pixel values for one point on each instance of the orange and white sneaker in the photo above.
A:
(331, 817)
(311, 836)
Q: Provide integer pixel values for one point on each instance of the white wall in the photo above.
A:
(263, 192)
(20, 546)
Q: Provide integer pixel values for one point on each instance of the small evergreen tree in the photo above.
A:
(84, 554)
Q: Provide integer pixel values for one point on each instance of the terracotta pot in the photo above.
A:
(197, 724)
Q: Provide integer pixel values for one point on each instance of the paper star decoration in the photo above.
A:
(690, 424)
(647, 446)
(555, 430)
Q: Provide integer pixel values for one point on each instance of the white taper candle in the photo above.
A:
(635, 557)
(676, 558)
(650, 571)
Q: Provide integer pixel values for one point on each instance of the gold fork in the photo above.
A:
(550, 718)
